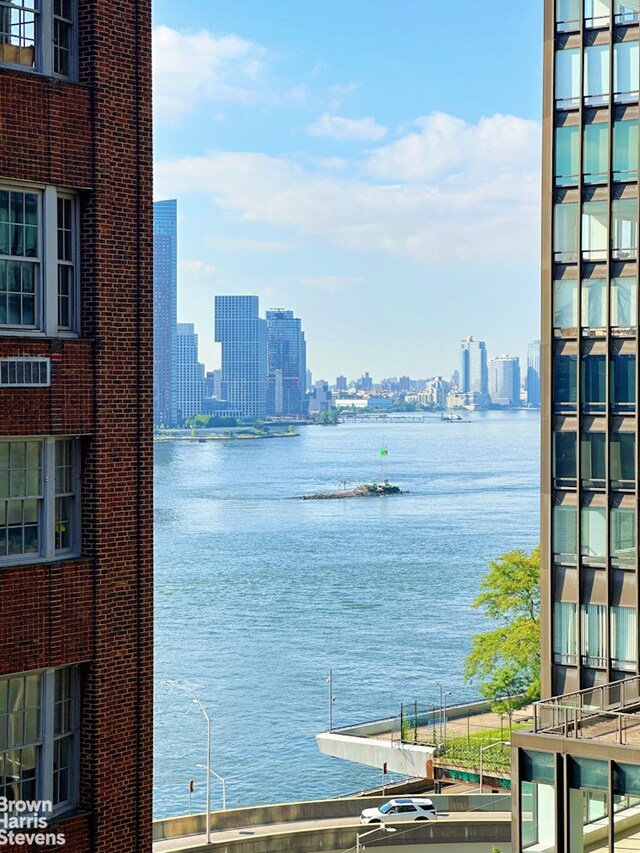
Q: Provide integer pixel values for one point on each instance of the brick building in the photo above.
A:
(75, 414)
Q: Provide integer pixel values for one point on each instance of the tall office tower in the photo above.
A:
(165, 298)
(504, 380)
(189, 374)
(474, 376)
(341, 383)
(243, 336)
(76, 323)
(533, 373)
(578, 772)
(286, 364)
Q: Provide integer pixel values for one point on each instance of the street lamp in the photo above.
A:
(206, 716)
(489, 746)
(448, 693)
(220, 779)
(443, 704)
(360, 835)
(331, 698)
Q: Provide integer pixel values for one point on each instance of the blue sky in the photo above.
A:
(371, 165)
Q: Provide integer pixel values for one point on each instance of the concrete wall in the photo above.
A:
(316, 810)
(406, 759)
(343, 838)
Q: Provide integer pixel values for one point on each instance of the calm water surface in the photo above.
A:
(257, 595)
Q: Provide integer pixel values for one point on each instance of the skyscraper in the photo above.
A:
(189, 374)
(286, 364)
(533, 374)
(578, 772)
(504, 380)
(165, 284)
(474, 376)
(243, 336)
(76, 516)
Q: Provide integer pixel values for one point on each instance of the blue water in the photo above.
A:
(258, 595)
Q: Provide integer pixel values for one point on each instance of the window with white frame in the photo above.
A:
(39, 734)
(39, 499)
(38, 261)
(39, 35)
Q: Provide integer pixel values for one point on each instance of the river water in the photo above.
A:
(258, 594)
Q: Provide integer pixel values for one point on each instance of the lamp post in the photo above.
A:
(489, 746)
(448, 693)
(220, 779)
(330, 681)
(206, 716)
(360, 835)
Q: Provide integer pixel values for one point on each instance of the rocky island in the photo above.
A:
(372, 490)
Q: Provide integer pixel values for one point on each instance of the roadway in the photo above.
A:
(226, 836)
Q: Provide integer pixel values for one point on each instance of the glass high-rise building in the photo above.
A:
(243, 336)
(504, 380)
(286, 364)
(474, 373)
(576, 776)
(533, 373)
(165, 297)
(189, 374)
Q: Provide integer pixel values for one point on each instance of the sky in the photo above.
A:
(373, 166)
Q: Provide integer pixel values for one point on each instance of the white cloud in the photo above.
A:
(337, 127)
(192, 68)
(198, 269)
(332, 283)
(452, 192)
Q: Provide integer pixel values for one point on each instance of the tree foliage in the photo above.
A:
(329, 418)
(506, 660)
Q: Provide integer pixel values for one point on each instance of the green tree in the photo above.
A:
(329, 418)
(506, 660)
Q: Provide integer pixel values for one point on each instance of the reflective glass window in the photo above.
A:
(568, 15)
(564, 446)
(565, 371)
(565, 234)
(627, 11)
(568, 78)
(622, 465)
(593, 534)
(565, 540)
(623, 302)
(624, 238)
(595, 230)
(596, 153)
(596, 74)
(594, 633)
(565, 304)
(623, 381)
(626, 71)
(594, 303)
(594, 382)
(624, 643)
(622, 539)
(597, 13)
(567, 155)
(592, 457)
(625, 150)
(565, 633)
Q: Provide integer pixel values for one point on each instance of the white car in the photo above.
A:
(401, 809)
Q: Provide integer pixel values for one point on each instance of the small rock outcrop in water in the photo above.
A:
(374, 490)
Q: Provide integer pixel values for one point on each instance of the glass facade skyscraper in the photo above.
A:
(165, 284)
(243, 336)
(189, 374)
(576, 776)
(286, 364)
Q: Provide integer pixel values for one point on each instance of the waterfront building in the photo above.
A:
(474, 375)
(435, 393)
(341, 383)
(576, 776)
(286, 364)
(76, 404)
(165, 302)
(320, 398)
(365, 383)
(533, 374)
(243, 336)
(189, 374)
(309, 380)
(504, 380)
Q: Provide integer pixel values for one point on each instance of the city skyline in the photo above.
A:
(301, 179)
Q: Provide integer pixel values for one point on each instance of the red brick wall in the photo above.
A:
(95, 135)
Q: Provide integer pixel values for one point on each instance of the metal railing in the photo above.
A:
(596, 713)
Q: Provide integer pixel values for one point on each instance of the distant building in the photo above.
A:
(365, 383)
(474, 375)
(435, 392)
(286, 364)
(320, 399)
(243, 336)
(341, 383)
(504, 380)
(165, 284)
(379, 403)
(309, 380)
(189, 374)
(533, 374)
